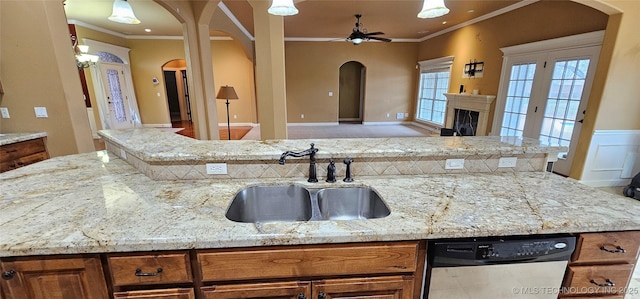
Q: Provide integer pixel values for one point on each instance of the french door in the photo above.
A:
(545, 97)
(117, 102)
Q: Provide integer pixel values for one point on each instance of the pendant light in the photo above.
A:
(282, 8)
(433, 9)
(123, 13)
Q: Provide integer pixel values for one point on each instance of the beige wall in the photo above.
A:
(38, 70)
(482, 41)
(313, 69)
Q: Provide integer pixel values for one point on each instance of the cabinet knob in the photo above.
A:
(322, 295)
(8, 274)
(618, 249)
(302, 296)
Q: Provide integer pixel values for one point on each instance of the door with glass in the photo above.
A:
(546, 96)
(117, 102)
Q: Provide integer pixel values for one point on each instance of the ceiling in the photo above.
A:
(332, 19)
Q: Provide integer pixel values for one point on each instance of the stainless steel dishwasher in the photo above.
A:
(494, 268)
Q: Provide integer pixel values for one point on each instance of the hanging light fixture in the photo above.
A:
(433, 9)
(123, 13)
(83, 58)
(282, 8)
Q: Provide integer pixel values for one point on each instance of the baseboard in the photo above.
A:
(313, 124)
(383, 123)
(426, 127)
(224, 125)
(156, 125)
(607, 183)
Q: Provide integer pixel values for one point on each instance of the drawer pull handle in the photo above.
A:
(140, 273)
(11, 151)
(302, 296)
(322, 295)
(8, 274)
(617, 250)
(608, 283)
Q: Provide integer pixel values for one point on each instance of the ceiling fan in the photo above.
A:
(360, 34)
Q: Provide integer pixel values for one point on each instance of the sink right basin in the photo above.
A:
(351, 203)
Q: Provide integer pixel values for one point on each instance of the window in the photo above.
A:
(434, 83)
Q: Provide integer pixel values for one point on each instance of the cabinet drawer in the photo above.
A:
(150, 269)
(600, 248)
(16, 150)
(308, 261)
(583, 280)
(160, 294)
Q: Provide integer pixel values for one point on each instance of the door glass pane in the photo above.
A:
(116, 95)
(518, 94)
(565, 92)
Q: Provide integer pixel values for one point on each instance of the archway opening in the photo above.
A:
(351, 92)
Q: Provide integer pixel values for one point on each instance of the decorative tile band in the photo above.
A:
(296, 168)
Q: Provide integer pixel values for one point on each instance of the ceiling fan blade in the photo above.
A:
(382, 39)
(375, 33)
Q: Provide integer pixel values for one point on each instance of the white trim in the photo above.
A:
(615, 132)
(224, 125)
(157, 125)
(312, 124)
(481, 18)
(607, 183)
(383, 123)
(436, 63)
(96, 28)
(584, 40)
(234, 20)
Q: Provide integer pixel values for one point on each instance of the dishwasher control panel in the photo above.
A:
(501, 250)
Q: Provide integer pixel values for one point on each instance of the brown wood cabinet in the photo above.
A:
(602, 265)
(156, 294)
(19, 154)
(149, 269)
(53, 278)
(282, 290)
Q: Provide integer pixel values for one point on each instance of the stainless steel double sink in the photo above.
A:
(287, 203)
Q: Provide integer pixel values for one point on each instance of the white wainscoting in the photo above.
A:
(613, 158)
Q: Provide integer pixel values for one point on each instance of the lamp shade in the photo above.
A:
(433, 9)
(227, 92)
(123, 13)
(282, 8)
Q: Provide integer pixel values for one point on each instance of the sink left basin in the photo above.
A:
(270, 203)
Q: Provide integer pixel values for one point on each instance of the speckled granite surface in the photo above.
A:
(98, 203)
(9, 138)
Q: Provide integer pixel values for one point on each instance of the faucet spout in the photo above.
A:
(311, 152)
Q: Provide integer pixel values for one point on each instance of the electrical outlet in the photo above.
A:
(406, 115)
(216, 168)
(123, 154)
(454, 164)
(505, 162)
(301, 115)
(235, 116)
(5, 112)
(41, 112)
(331, 93)
(399, 115)
(388, 115)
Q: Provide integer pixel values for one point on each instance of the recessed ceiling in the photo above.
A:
(317, 18)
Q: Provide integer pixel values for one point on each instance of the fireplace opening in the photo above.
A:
(465, 122)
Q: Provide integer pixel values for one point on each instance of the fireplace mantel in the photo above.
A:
(479, 103)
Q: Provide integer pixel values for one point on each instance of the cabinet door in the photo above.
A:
(53, 278)
(159, 294)
(292, 290)
(396, 287)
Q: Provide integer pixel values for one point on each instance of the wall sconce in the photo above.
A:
(83, 58)
(474, 69)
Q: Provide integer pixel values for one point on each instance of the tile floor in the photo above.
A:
(347, 131)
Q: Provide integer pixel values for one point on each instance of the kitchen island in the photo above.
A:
(100, 203)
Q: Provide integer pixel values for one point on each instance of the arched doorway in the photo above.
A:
(177, 91)
(351, 92)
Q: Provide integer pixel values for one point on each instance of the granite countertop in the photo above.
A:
(153, 145)
(9, 138)
(96, 202)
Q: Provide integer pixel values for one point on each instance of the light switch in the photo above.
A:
(331, 93)
(41, 112)
(5, 112)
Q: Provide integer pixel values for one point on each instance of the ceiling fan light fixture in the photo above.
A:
(433, 9)
(123, 13)
(357, 41)
(282, 8)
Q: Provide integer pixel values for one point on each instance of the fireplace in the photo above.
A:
(469, 112)
(465, 122)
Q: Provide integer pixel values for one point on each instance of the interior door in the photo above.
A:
(546, 97)
(117, 102)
